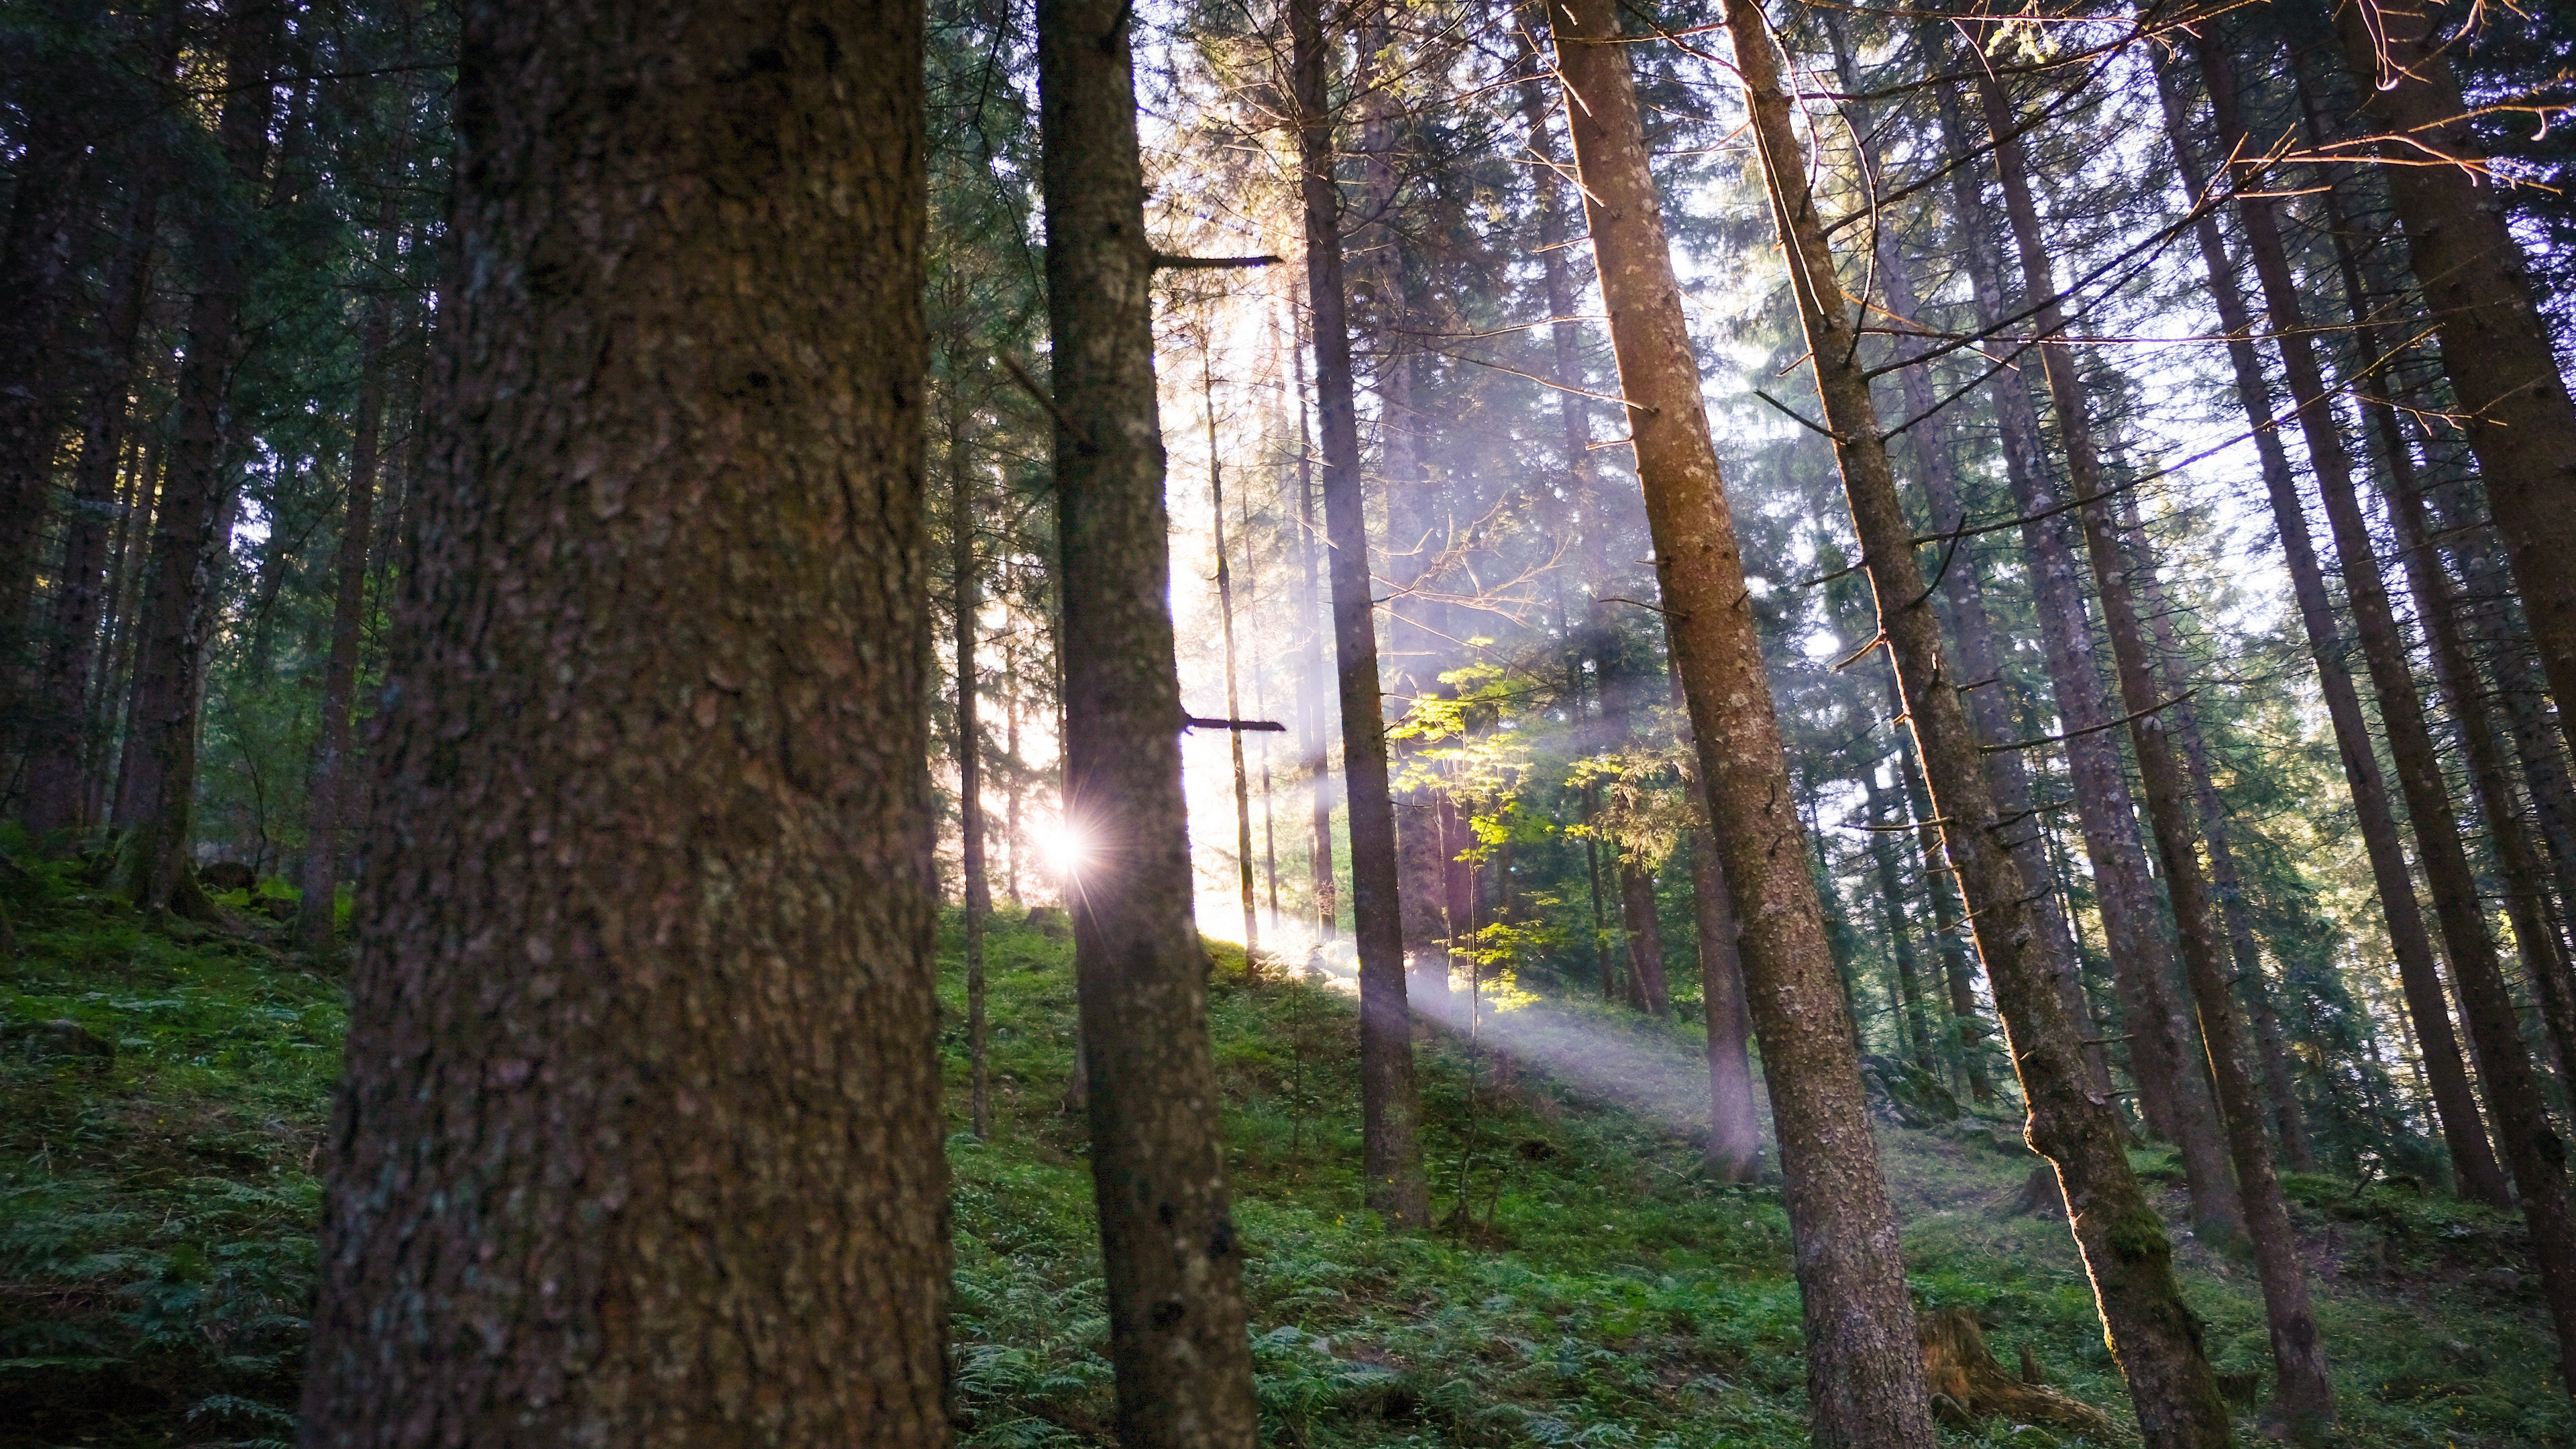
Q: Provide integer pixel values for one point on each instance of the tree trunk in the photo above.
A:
(1311, 724)
(111, 699)
(331, 795)
(2533, 1151)
(2303, 1395)
(1960, 588)
(1734, 1151)
(1390, 1109)
(1647, 988)
(1233, 694)
(1864, 1375)
(2472, 1160)
(1175, 1274)
(38, 291)
(639, 1141)
(2280, 1086)
(2477, 287)
(1913, 1030)
(1968, 1025)
(58, 743)
(967, 608)
(2166, 1046)
(190, 531)
(2153, 1335)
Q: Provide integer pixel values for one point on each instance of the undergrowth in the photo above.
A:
(1587, 1283)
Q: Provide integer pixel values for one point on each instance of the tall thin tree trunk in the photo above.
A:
(1734, 1152)
(2455, 1105)
(2303, 1393)
(332, 794)
(1864, 1371)
(110, 701)
(1989, 700)
(2102, 800)
(2532, 1148)
(967, 608)
(2153, 1335)
(1233, 694)
(1968, 1028)
(1390, 1108)
(639, 1141)
(2280, 1086)
(1647, 989)
(1174, 1271)
(59, 742)
(2496, 346)
(1011, 784)
(1912, 1029)
(38, 277)
(2141, 952)
(1315, 737)
(188, 534)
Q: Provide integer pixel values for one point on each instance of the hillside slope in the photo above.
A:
(1587, 1283)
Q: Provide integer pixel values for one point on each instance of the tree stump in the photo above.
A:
(1969, 1387)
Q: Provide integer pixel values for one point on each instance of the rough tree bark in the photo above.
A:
(1390, 1109)
(1174, 1271)
(2477, 286)
(2153, 1335)
(2473, 1161)
(2303, 1392)
(1864, 1374)
(639, 1139)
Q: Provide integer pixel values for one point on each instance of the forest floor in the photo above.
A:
(1587, 1282)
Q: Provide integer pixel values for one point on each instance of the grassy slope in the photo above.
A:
(155, 1212)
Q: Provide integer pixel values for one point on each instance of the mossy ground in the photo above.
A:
(1596, 1288)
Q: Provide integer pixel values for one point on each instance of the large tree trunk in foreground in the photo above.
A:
(191, 529)
(1390, 1109)
(2445, 1071)
(1864, 1377)
(2477, 285)
(2303, 1395)
(2153, 1335)
(639, 1141)
(1168, 1250)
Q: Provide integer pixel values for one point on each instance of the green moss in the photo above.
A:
(156, 1216)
